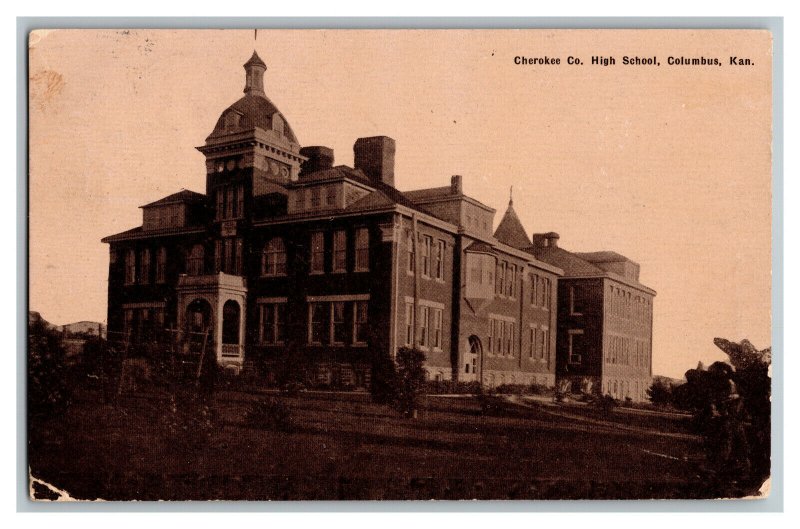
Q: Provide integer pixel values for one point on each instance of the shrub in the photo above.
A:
(48, 392)
(450, 387)
(384, 381)
(271, 414)
(411, 377)
(660, 393)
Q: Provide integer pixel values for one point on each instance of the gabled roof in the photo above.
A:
(510, 230)
(480, 247)
(181, 196)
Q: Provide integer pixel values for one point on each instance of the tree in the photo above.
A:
(731, 408)
(411, 376)
(384, 383)
(660, 393)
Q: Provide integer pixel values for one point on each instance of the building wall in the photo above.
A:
(496, 366)
(627, 344)
(580, 333)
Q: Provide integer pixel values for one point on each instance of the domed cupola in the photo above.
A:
(252, 133)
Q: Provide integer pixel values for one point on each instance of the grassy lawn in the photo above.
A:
(344, 447)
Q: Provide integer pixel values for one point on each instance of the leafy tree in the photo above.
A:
(731, 408)
(660, 393)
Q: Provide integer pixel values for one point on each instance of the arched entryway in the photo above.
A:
(471, 358)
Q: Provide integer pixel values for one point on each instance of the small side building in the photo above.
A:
(605, 321)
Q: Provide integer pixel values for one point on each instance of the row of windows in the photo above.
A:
(230, 202)
(327, 323)
(621, 350)
(539, 343)
(314, 197)
(339, 251)
(501, 337)
(625, 305)
(506, 279)
(141, 324)
(141, 273)
(541, 291)
(429, 329)
(431, 259)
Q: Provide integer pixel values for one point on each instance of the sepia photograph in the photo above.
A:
(296, 264)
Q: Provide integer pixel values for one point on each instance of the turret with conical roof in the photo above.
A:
(510, 230)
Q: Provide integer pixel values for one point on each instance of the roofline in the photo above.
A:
(448, 198)
(168, 232)
(617, 278)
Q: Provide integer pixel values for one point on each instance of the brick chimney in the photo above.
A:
(375, 156)
(319, 159)
(544, 240)
(456, 187)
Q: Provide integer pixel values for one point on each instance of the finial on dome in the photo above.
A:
(254, 75)
(511, 196)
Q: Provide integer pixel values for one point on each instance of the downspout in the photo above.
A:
(395, 284)
(521, 308)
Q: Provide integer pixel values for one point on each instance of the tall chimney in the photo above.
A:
(544, 240)
(455, 185)
(375, 156)
(319, 159)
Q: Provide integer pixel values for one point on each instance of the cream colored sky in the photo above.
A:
(667, 165)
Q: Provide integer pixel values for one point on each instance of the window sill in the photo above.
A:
(359, 270)
(338, 271)
(360, 344)
(316, 273)
(272, 276)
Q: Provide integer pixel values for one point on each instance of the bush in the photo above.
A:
(411, 377)
(660, 393)
(450, 387)
(48, 392)
(384, 381)
(607, 403)
(271, 414)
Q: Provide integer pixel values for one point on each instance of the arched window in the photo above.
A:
(130, 267)
(273, 261)
(194, 264)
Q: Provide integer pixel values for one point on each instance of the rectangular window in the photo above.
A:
(161, 265)
(230, 200)
(315, 197)
(424, 314)
(575, 346)
(317, 252)
(436, 338)
(300, 198)
(534, 281)
(362, 250)
(491, 338)
(144, 275)
(338, 333)
(220, 213)
(511, 281)
(339, 251)
(500, 278)
(360, 323)
(409, 323)
(273, 321)
(239, 201)
(427, 242)
(330, 196)
(411, 261)
(439, 260)
(574, 303)
(510, 342)
(548, 290)
(130, 267)
(546, 343)
(316, 322)
(532, 341)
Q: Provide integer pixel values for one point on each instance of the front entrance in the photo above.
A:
(215, 303)
(472, 358)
